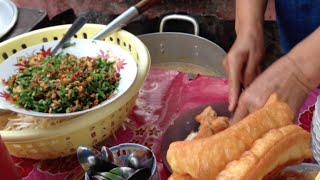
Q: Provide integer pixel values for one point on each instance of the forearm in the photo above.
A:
(249, 15)
(306, 56)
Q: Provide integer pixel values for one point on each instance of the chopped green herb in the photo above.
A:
(68, 44)
(62, 83)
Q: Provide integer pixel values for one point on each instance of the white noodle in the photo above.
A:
(22, 122)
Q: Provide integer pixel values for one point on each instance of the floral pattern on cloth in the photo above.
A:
(307, 109)
(164, 96)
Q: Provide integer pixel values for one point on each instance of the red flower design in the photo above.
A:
(24, 166)
(149, 145)
(24, 63)
(154, 131)
(305, 118)
(44, 52)
(5, 95)
(19, 65)
(103, 55)
(120, 64)
(140, 131)
(137, 141)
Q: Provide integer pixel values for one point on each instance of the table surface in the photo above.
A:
(165, 95)
(27, 20)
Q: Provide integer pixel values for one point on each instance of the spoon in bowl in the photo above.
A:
(75, 27)
(86, 157)
(107, 154)
(140, 159)
(90, 159)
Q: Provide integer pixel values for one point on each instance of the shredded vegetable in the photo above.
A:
(23, 122)
(61, 83)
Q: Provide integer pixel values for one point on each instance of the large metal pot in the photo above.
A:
(184, 52)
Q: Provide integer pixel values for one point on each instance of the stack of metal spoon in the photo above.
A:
(103, 165)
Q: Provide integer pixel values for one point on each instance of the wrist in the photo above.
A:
(249, 16)
(251, 29)
(303, 76)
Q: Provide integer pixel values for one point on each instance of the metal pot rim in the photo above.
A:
(181, 35)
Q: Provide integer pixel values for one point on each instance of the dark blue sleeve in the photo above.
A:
(296, 19)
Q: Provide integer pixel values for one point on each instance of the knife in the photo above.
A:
(125, 18)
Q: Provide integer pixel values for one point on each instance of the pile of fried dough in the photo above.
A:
(258, 147)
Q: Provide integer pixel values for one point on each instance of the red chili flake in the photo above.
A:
(26, 62)
(36, 79)
(51, 73)
(73, 77)
(79, 74)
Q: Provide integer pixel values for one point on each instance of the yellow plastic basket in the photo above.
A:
(88, 129)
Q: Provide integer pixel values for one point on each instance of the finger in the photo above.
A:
(226, 65)
(239, 114)
(234, 81)
(251, 71)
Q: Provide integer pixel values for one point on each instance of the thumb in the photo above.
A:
(240, 113)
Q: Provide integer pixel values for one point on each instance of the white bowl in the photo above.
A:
(315, 131)
(82, 48)
(8, 16)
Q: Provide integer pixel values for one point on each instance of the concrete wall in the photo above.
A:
(220, 8)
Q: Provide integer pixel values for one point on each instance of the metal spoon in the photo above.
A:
(90, 159)
(140, 159)
(124, 172)
(86, 156)
(76, 26)
(107, 154)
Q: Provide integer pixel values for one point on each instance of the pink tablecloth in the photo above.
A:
(164, 96)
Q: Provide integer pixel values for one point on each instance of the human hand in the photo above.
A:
(242, 62)
(283, 78)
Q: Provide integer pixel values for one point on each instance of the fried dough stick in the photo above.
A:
(205, 158)
(207, 112)
(180, 177)
(212, 125)
(277, 149)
